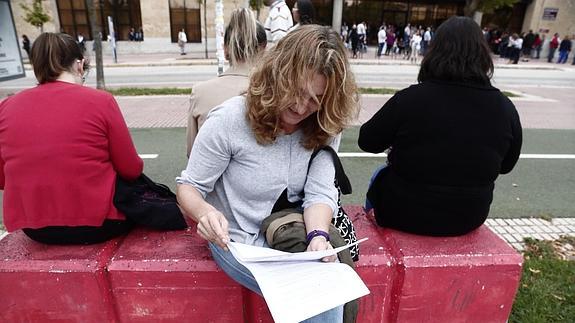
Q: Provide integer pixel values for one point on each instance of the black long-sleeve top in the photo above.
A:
(449, 141)
(565, 45)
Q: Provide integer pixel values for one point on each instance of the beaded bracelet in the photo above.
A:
(316, 233)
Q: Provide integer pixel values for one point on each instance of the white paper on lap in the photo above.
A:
(297, 286)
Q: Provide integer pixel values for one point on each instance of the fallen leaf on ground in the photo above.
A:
(558, 297)
(535, 271)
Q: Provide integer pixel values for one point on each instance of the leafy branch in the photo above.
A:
(35, 15)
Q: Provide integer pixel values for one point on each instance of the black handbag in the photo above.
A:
(149, 204)
(341, 221)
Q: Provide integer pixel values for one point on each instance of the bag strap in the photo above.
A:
(340, 176)
(156, 187)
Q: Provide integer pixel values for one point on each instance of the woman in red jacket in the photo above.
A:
(61, 147)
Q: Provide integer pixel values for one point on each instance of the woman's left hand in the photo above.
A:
(319, 243)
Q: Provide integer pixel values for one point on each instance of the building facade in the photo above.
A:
(157, 22)
(551, 16)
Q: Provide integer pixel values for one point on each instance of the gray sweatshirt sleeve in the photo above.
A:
(210, 154)
(319, 186)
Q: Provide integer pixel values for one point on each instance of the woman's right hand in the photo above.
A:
(213, 227)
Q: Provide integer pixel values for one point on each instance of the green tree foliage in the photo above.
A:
(485, 6)
(35, 15)
(257, 5)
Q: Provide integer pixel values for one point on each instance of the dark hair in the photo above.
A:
(52, 54)
(458, 52)
(261, 34)
(306, 12)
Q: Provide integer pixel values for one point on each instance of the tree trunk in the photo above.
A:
(97, 37)
(470, 7)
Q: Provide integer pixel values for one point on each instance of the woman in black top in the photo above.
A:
(450, 136)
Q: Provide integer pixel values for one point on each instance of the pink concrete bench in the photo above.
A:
(169, 276)
(40, 283)
(165, 277)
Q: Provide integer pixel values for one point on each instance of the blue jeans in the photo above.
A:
(563, 54)
(244, 277)
(368, 205)
(380, 49)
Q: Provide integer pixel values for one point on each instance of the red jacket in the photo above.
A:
(61, 146)
(554, 43)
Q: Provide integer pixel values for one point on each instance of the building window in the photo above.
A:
(125, 14)
(185, 14)
(418, 15)
(74, 18)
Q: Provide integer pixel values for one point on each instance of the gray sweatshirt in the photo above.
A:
(243, 179)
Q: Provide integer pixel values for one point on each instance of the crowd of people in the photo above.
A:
(409, 42)
(256, 137)
(526, 46)
(134, 35)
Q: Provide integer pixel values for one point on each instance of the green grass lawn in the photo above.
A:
(547, 288)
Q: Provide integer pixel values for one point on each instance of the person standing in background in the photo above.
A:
(553, 44)
(564, 49)
(132, 34)
(381, 37)
(279, 20)
(26, 45)
(514, 48)
(182, 40)
(81, 43)
(361, 34)
(389, 40)
(415, 45)
(426, 40)
(537, 44)
(140, 34)
(354, 40)
(527, 47)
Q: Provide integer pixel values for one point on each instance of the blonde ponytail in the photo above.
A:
(241, 37)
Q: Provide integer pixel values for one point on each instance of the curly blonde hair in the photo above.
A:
(284, 73)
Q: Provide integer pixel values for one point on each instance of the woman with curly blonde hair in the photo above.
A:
(254, 149)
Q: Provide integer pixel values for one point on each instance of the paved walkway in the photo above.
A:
(515, 230)
(160, 111)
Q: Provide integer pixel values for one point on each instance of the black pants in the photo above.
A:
(62, 235)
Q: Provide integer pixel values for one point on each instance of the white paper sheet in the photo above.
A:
(299, 285)
(249, 253)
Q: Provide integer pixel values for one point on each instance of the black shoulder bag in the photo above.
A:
(148, 203)
(341, 221)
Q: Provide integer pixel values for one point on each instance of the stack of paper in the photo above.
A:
(297, 286)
